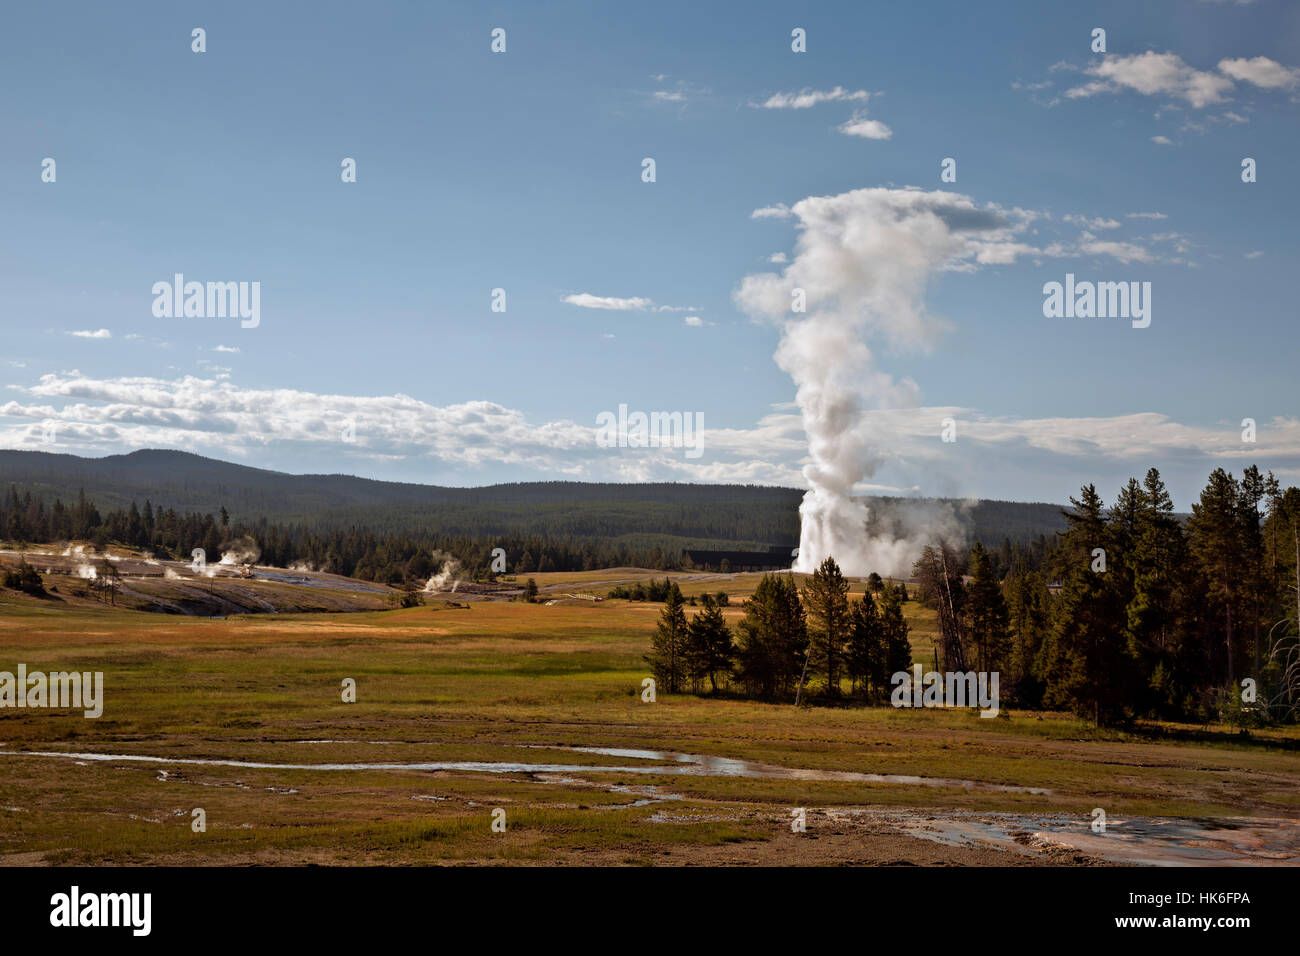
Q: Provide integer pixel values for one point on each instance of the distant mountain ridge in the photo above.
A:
(751, 515)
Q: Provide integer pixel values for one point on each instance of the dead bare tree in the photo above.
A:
(1286, 648)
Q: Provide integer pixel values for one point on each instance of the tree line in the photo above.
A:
(1130, 612)
(791, 642)
(1133, 612)
(396, 558)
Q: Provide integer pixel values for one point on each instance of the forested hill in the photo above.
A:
(748, 515)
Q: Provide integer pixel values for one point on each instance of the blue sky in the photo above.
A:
(522, 171)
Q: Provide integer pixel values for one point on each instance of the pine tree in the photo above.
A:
(1155, 608)
(668, 658)
(865, 659)
(1084, 659)
(1216, 541)
(1027, 603)
(825, 598)
(894, 628)
(987, 621)
(709, 648)
(772, 638)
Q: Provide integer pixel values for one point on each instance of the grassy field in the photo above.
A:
(527, 683)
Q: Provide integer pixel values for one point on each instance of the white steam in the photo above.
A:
(863, 259)
(243, 551)
(447, 571)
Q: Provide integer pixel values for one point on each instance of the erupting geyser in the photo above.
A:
(861, 263)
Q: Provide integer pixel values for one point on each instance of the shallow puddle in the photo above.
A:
(707, 766)
(680, 764)
(1137, 841)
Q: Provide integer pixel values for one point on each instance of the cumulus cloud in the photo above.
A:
(1168, 75)
(1154, 73)
(1262, 72)
(89, 334)
(218, 417)
(858, 125)
(221, 419)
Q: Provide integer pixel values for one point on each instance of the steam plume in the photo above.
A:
(863, 260)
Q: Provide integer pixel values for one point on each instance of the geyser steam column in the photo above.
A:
(861, 263)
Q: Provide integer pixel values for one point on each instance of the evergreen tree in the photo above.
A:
(772, 638)
(894, 628)
(825, 599)
(668, 657)
(1027, 609)
(1084, 659)
(987, 621)
(865, 659)
(709, 648)
(1217, 542)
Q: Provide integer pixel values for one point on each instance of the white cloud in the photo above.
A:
(1262, 72)
(1095, 223)
(1254, 255)
(96, 334)
(222, 419)
(779, 211)
(1162, 140)
(216, 417)
(808, 98)
(1147, 215)
(777, 257)
(1125, 252)
(586, 300)
(1154, 73)
(865, 128)
(227, 348)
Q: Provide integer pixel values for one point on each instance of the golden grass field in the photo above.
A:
(503, 681)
